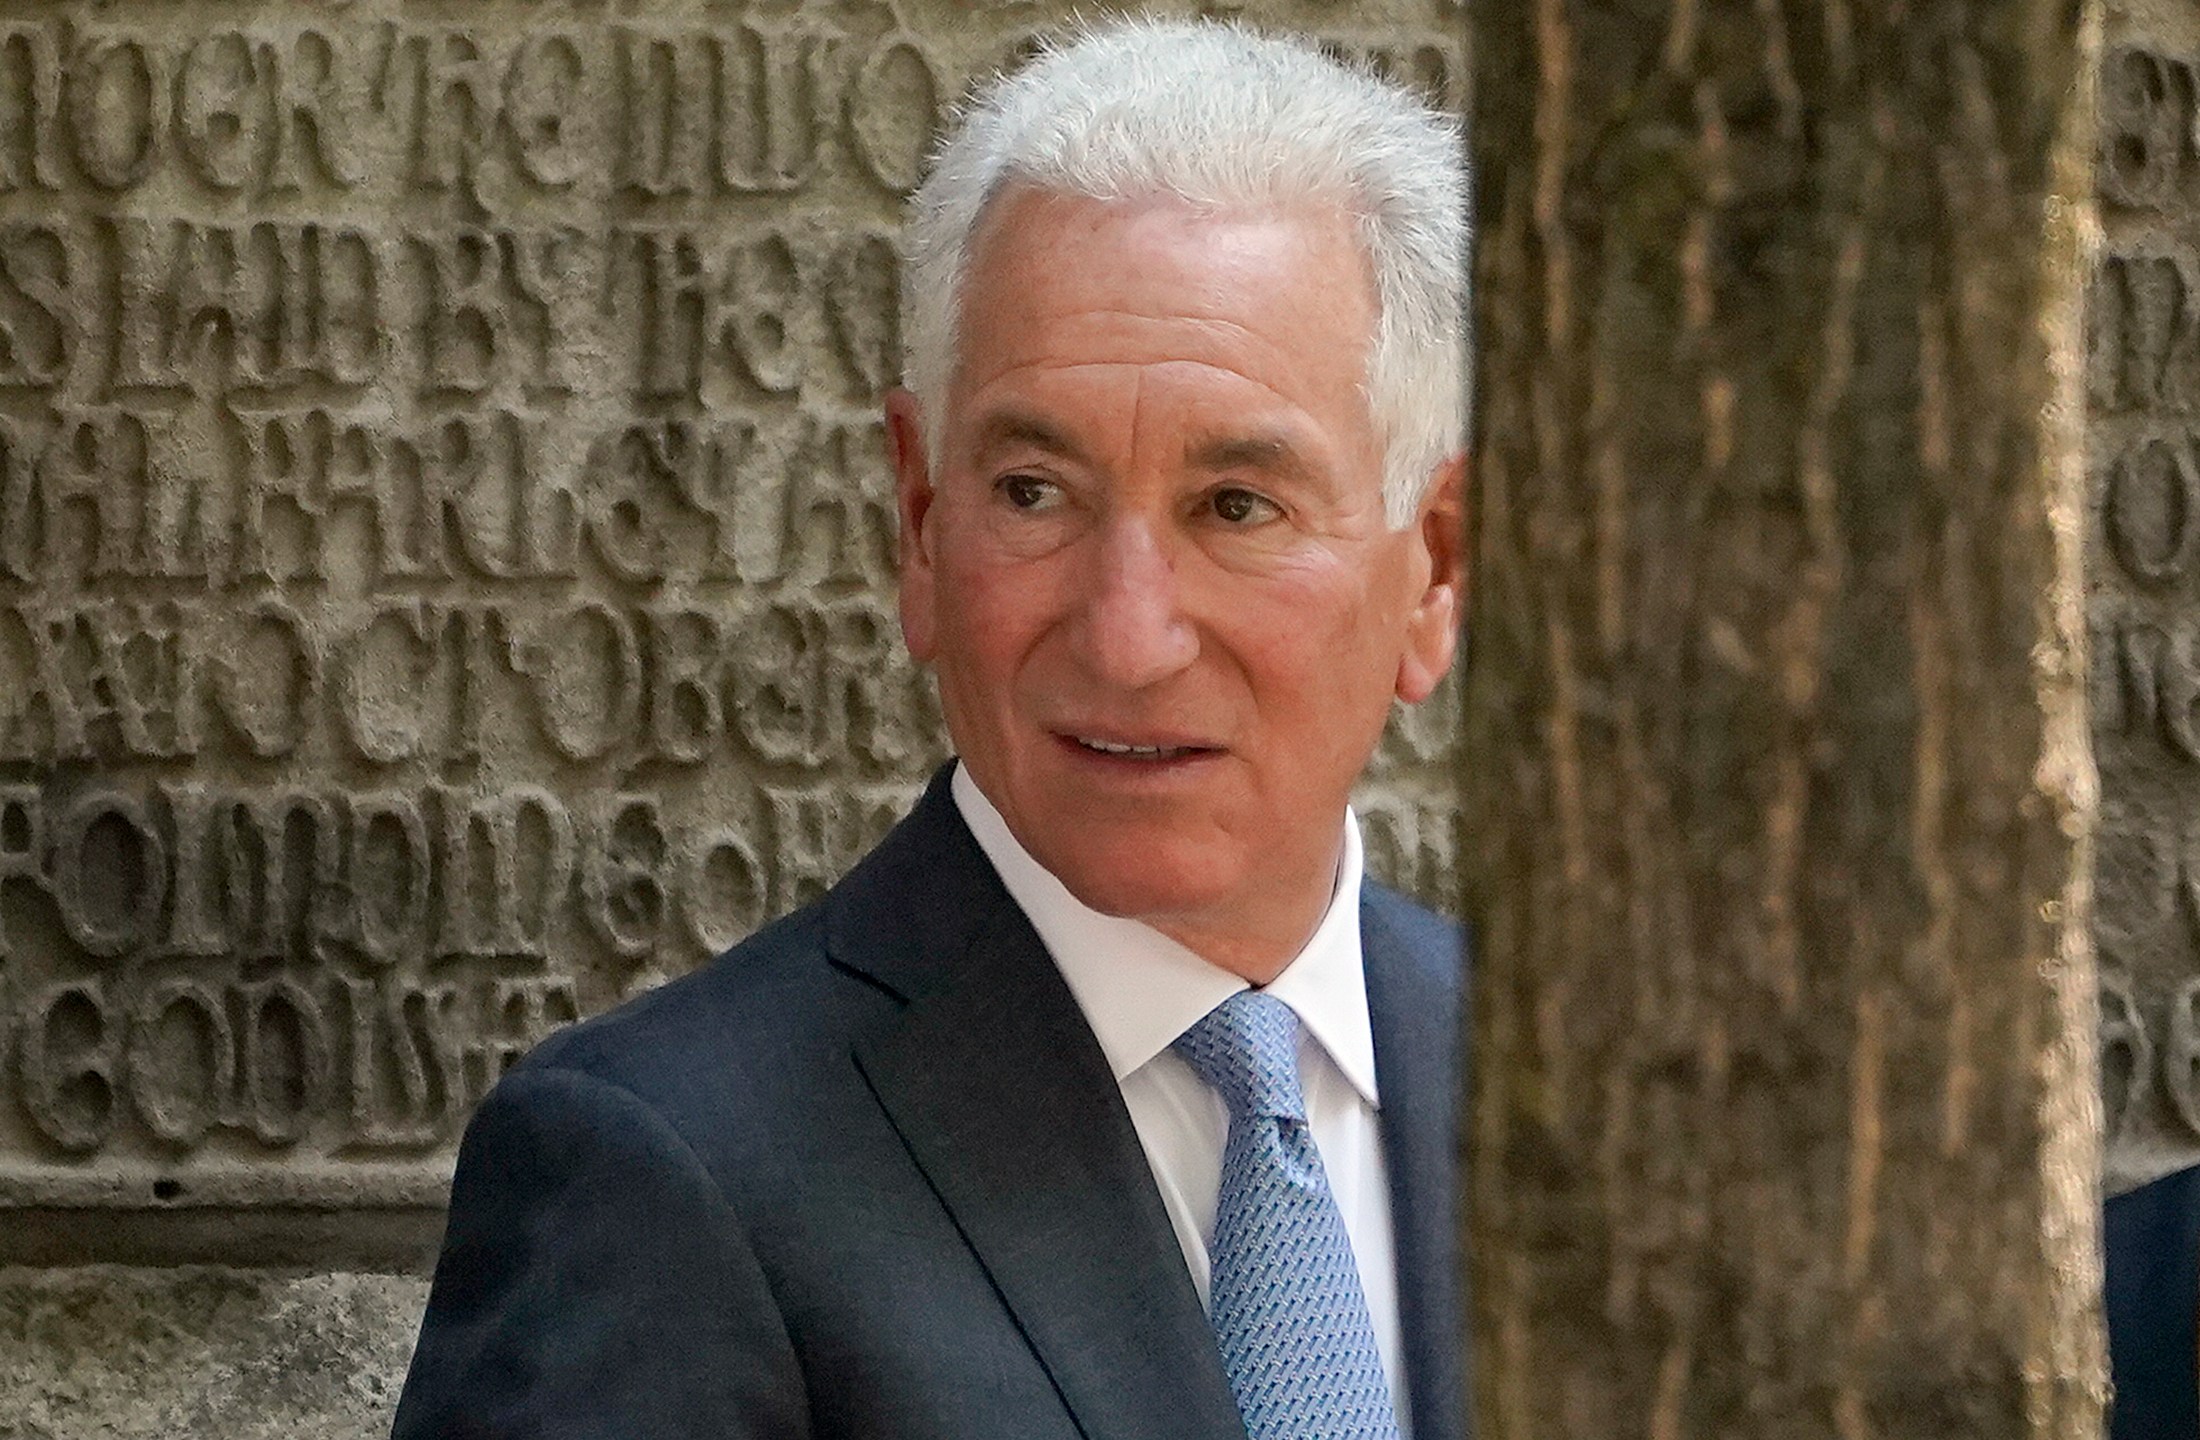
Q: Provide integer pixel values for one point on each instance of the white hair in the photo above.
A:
(1223, 117)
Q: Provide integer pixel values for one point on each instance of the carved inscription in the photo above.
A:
(446, 549)
(2144, 455)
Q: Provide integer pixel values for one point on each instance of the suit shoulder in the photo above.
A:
(774, 1017)
(735, 1013)
(1436, 941)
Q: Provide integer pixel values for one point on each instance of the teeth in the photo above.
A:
(1109, 747)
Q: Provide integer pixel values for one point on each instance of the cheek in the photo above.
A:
(1333, 667)
(989, 616)
(1323, 619)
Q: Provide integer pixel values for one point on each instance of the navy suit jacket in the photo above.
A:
(869, 1174)
(2152, 1236)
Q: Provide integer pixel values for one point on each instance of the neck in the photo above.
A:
(1254, 937)
(1260, 941)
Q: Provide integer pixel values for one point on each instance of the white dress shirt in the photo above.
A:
(1140, 990)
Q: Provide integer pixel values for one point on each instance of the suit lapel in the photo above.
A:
(1413, 1000)
(998, 1088)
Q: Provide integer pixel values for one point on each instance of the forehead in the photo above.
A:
(1279, 300)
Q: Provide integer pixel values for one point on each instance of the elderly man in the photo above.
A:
(1105, 1097)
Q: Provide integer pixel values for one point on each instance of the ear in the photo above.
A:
(1432, 626)
(913, 509)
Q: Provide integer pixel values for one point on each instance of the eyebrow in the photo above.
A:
(1271, 454)
(1014, 427)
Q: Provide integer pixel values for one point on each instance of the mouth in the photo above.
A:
(1135, 752)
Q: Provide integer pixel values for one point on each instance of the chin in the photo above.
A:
(1141, 879)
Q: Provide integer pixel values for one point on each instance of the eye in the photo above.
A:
(1028, 492)
(1237, 506)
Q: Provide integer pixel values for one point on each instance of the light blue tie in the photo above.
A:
(1286, 1303)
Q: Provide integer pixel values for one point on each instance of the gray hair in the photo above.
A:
(1224, 117)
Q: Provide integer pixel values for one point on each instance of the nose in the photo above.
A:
(1133, 629)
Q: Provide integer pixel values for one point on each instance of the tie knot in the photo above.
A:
(1247, 1050)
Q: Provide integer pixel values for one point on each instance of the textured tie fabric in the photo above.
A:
(1288, 1312)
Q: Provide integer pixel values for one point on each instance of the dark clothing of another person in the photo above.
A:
(2152, 1236)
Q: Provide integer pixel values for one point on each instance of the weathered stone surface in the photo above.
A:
(112, 1353)
(2144, 608)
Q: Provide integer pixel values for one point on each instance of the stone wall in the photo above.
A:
(444, 588)
(2144, 392)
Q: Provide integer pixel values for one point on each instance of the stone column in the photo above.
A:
(1785, 1119)
(445, 587)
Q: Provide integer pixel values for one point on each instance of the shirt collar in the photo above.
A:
(1139, 989)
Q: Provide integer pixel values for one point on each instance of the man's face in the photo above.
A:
(1153, 570)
